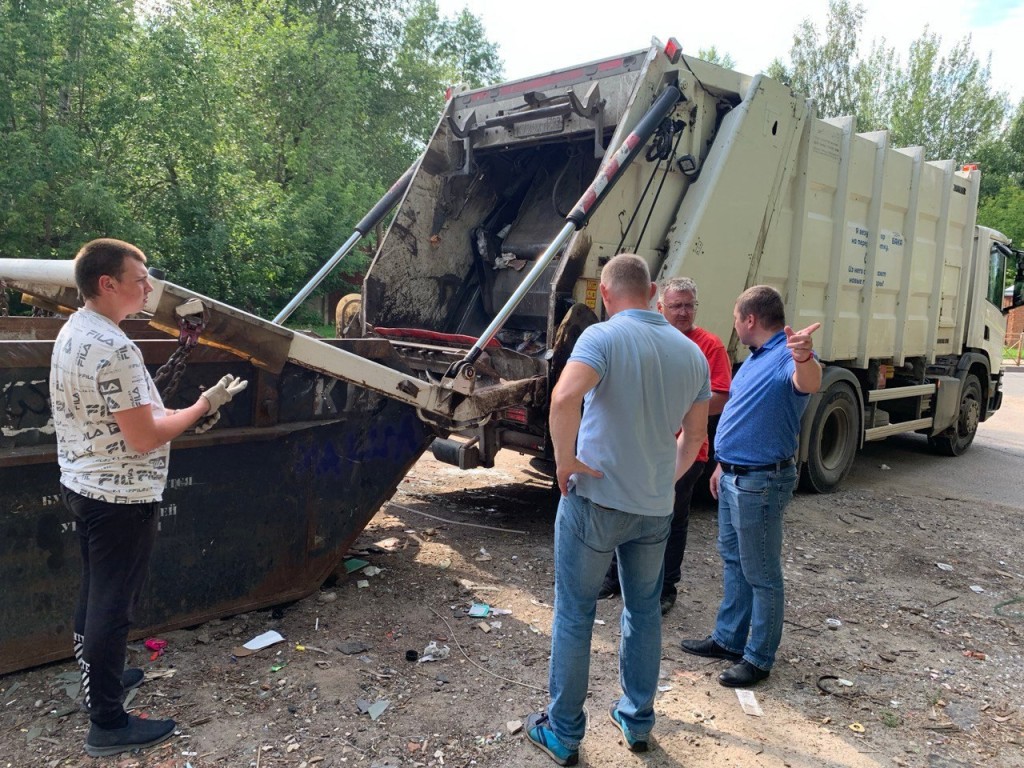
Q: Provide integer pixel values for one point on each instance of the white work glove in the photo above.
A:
(206, 423)
(222, 392)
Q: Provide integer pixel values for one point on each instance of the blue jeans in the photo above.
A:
(586, 535)
(750, 511)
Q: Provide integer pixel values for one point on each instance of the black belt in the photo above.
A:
(740, 469)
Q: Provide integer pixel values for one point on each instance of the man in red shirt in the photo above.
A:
(678, 303)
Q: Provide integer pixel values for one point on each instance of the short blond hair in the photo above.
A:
(627, 275)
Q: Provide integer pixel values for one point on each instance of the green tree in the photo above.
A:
(712, 54)
(65, 99)
(236, 142)
(944, 103)
(826, 69)
(1002, 180)
(1002, 157)
(1004, 211)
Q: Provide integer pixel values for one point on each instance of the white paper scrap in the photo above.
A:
(268, 638)
(748, 701)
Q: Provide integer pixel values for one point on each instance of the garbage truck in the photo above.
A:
(483, 281)
(740, 184)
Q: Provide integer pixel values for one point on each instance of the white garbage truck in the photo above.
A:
(739, 184)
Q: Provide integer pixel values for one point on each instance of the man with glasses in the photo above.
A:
(678, 303)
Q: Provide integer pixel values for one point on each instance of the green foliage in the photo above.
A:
(1002, 180)
(826, 69)
(778, 71)
(712, 55)
(944, 103)
(889, 718)
(237, 143)
(1004, 211)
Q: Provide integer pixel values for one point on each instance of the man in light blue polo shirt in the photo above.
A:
(755, 447)
(638, 380)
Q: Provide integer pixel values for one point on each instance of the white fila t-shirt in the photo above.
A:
(96, 370)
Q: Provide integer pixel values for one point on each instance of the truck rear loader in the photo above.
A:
(481, 285)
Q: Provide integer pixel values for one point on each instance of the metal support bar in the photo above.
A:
(269, 346)
(898, 393)
(895, 429)
(378, 212)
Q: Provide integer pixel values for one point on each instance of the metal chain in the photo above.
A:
(168, 377)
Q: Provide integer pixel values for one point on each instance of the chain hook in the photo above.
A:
(192, 319)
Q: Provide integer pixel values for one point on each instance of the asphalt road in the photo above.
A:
(992, 470)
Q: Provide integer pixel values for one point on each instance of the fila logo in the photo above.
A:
(109, 387)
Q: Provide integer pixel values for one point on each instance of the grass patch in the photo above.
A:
(890, 719)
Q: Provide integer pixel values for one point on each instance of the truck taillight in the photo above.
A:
(448, 93)
(517, 414)
(673, 50)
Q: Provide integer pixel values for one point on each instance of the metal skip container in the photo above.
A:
(257, 512)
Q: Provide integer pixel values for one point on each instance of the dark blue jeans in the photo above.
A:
(116, 541)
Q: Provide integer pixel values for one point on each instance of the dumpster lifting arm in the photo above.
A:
(269, 346)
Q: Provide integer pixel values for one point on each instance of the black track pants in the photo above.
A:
(116, 541)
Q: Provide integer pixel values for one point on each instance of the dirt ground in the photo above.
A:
(924, 668)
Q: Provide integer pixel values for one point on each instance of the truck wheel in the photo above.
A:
(958, 438)
(833, 440)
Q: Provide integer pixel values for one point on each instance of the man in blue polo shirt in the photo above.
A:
(638, 380)
(755, 447)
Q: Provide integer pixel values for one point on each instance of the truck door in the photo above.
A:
(1006, 277)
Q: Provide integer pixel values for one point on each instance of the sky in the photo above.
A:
(536, 36)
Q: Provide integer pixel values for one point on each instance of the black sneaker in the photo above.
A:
(138, 734)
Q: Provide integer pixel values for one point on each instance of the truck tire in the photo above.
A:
(835, 434)
(958, 438)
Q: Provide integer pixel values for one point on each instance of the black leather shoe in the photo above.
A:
(710, 649)
(138, 734)
(743, 675)
(667, 601)
(607, 592)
